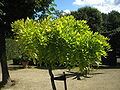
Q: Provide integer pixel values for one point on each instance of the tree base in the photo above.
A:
(8, 84)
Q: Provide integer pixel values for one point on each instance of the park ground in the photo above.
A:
(105, 78)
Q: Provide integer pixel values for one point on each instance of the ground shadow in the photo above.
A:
(48, 68)
(77, 75)
(45, 68)
(8, 85)
(1, 85)
(108, 67)
(15, 68)
(95, 73)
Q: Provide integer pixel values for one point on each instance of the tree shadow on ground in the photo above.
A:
(15, 68)
(108, 67)
(77, 75)
(1, 85)
(46, 68)
(8, 85)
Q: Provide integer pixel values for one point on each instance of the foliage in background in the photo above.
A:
(15, 53)
(112, 26)
(12, 49)
(92, 16)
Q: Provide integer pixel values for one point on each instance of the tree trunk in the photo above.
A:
(5, 74)
(52, 79)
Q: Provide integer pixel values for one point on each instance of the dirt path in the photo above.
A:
(38, 79)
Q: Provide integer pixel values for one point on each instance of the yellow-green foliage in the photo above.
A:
(64, 41)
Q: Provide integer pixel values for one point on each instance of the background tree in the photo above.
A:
(58, 13)
(111, 23)
(5, 73)
(13, 10)
(113, 20)
(91, 15)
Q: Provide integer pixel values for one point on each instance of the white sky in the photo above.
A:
(104, 6)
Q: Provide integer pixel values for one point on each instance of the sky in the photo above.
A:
(105, 6)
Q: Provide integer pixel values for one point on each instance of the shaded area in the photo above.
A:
(15, 68)
(47, 68)
(109, 67)
(8, 85)
(1, 85)
(76, 75)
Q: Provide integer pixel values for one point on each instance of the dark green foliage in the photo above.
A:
(111, 23)
(91, 15)
(112, 26)
(1, 11)
(17, 9)
(113, 20)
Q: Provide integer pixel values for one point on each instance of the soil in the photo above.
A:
(38, 79)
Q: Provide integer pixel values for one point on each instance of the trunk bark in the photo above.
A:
(5, 74)
(52, 79)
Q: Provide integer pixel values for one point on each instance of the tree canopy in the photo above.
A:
(112, 26)
(91, 15)
(61, 40)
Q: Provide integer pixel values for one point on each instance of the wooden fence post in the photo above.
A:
(62, 78)
(65, 84)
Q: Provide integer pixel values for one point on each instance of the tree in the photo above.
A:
(13, 10)
(58, 13)
(104, 24)
(91, 15)
(63, 40)
(111, 22)
(5, 73)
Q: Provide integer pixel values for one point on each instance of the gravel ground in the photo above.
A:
(38, 79)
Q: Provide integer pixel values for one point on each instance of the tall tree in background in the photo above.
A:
(113, 20)
(111, 23)
(113, 28)
(91, 15)
(11, 11)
